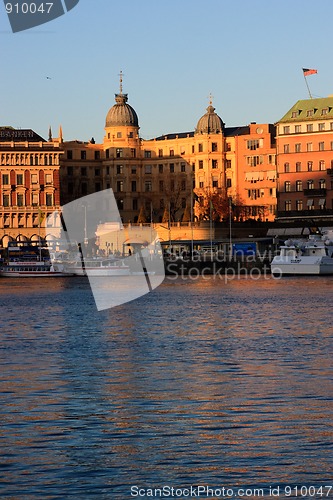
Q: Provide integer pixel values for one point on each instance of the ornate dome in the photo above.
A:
(121, 114)
(210, 122)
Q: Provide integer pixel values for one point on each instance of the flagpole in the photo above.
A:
(306, 82)
(192, 223)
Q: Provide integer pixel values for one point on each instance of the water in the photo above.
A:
(201, 382)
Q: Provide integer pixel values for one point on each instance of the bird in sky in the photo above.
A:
(48, 78)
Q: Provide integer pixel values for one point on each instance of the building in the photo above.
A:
(305, 161)
(155, 179)
(29, 182)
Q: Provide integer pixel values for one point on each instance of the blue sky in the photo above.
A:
(247, 53)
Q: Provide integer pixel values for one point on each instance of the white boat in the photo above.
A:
(311, 256)
(97, 267)
(31, 269)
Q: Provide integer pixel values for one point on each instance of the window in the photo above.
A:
(294, 114)
(20, 200)
(183, 167)
(133, 171)
(34, 179)
(309, 112)
(299, 205)
(119, 135)
(228, 164)
(147, 154)
(19, 179)
(253, 161)
(297, 129)
(286, 130)
(160, 153)
(5, 179)
(309, 127)
(49, 199)
(119, 153)
(214, 164)
(135, 204)
(161, 186)
(200, 148)
(120, 186)
(148, 186)
(310, 184)
(172, 168)
(299, 186)
(229, 183)
(310, 166)
(287, 205)
(133, 185)
(70, 171)
(271, 159)
(297, 148)
(97, 155)
(201, 184)
(322, 165)
(286, 148)
(48, 178)
(228, 146)
(69, 154)
(322, 184)
(5, 200)
(120, 169)
(321, 127)
(287, 187)
(120, 204)
(200, 163)
(286, 167)
(133, 153)
(298, 166)
(172, 152)
(214, 146)
(309, 146)
(148, 169)
(131, 135)
(324, 111)
(321, 146)
(97, 172)
(35, 199)
(83, 155)
(310, 204)
(253, 144)
(160, 169)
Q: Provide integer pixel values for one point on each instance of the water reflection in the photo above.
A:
(198, 382)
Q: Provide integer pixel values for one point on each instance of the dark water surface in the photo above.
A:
(200, 382)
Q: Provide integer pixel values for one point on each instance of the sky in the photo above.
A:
(248, 54)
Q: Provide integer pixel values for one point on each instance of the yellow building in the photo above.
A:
(162, 178)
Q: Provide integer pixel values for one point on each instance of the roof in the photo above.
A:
(8, 134)
(121, 113)
(300, 110)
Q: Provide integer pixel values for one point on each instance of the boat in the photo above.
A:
(313, 256)
(31, 269)
(97, 267)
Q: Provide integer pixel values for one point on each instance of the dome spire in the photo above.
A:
(121, 82)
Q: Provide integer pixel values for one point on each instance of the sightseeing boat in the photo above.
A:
(31, 269)
(97, 267)
(312, 256)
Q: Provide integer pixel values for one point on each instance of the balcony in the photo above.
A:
(306, 214)
(315, 192)
(329, 171)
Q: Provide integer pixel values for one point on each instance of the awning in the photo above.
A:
(309, 203)
(322, 201)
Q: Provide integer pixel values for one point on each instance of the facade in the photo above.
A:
(29, 182)
(305, 161)
(159, 179)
